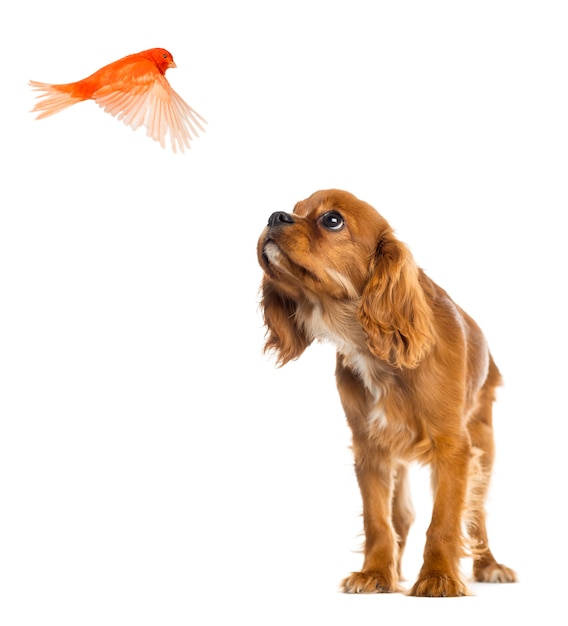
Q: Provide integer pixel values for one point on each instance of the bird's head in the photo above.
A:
(162, 58)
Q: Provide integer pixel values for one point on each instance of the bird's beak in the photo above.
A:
(172, 64)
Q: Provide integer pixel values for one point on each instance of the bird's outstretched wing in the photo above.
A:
(151, 102)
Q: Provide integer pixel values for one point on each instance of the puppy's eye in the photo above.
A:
(332, 221)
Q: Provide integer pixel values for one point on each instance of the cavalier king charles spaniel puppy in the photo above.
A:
(414, 374)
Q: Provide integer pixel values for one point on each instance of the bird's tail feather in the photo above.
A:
(54, 99)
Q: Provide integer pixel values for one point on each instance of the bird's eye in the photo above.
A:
(165, 56)
(332, 221)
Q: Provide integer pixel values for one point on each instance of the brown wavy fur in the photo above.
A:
(414, 374)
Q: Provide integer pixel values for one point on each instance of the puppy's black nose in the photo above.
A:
(279, 217)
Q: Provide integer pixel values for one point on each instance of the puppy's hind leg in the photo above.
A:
(485, 566)
(402, 511)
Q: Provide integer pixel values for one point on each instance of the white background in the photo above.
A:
(155, 467)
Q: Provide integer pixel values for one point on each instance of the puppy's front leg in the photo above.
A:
(440, 574)
(380, 569)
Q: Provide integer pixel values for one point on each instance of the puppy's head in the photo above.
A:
(335, 248)
(323, 248)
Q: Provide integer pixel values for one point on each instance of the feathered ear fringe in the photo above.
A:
(284, 337)
(393, 310)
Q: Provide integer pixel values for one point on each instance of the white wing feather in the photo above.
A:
(156, 106)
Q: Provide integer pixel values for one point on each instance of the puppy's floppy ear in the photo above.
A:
(394, 311)
(283, 335)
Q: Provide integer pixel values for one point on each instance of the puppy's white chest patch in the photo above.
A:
(361, 364)
(362, 367)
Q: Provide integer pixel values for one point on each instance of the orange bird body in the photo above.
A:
(133, 89)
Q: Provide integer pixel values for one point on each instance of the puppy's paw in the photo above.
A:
(369, 582)
(494, 573)
(438, 586)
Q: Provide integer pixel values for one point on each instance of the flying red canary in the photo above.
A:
(135, 90)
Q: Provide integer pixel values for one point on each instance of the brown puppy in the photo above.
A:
(414, 374)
